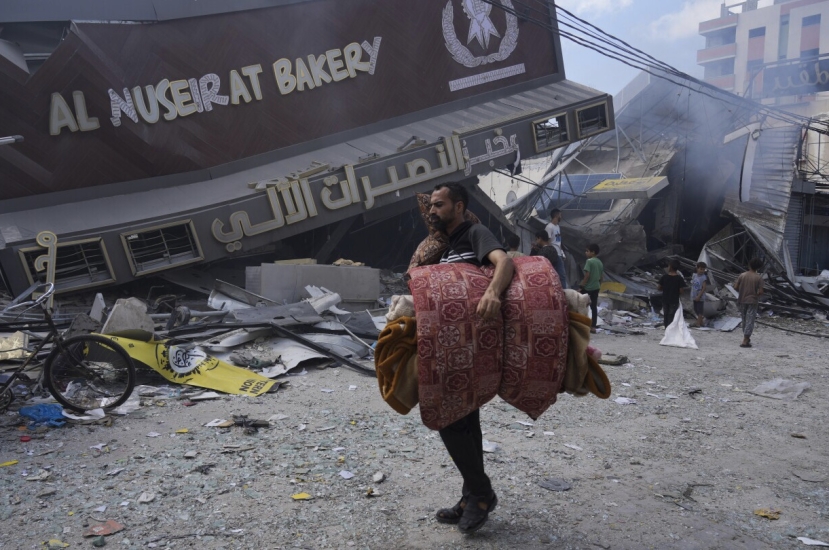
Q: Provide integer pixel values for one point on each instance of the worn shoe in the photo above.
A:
(451, 515)
(474, 517)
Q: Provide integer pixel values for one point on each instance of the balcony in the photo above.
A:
(726, 82)
(716, 53)
(717, 24)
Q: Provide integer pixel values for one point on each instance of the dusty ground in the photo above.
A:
(680, 473)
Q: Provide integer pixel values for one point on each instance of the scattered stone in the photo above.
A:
(555, 484)
(379, 477)
(146, 498)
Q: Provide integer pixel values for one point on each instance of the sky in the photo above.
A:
(665, 29)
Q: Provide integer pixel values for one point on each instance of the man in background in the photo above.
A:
(554, 232)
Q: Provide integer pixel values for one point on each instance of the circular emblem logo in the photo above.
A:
(481, 28)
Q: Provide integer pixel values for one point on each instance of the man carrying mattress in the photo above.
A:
(473, 244)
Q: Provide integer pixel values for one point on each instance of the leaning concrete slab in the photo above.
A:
(128, 314)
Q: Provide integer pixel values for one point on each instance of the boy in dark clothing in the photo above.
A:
(542, 247)
(671, 285)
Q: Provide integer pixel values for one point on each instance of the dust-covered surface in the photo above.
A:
(676, 470)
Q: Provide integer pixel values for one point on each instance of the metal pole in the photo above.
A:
(10, 139)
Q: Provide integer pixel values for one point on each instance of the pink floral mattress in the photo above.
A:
(464, 361)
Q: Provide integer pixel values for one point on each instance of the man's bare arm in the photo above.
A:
(490, 304)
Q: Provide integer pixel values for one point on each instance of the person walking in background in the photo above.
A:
(592, 282)
(513, 242)
(750, 288)
(699, 284)
(671, 285)
(554, 232)
(542, 247)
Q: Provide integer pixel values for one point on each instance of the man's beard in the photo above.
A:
(438, 223)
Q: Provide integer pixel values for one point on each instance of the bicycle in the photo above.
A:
(82, 373)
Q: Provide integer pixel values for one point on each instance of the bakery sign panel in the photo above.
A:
(405, 57)
(144, 100)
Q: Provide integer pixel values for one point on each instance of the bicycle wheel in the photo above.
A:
(6, 398)
(89, 372)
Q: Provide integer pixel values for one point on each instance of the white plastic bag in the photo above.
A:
(677, 334)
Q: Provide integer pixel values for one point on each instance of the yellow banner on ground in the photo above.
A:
(181, 365)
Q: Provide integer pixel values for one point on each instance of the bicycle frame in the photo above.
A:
(53, 336)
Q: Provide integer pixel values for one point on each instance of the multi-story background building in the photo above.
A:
(777, 53)
(760, 51)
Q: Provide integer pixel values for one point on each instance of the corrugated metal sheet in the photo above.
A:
(794, 228)
(764, 214)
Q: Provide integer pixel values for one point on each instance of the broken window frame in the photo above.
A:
(158, 265)
(539, 148)
(64, 285)
(598, 129)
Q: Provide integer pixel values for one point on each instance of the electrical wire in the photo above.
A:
(623, 52)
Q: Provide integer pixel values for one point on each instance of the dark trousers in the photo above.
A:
(594, 305)
(669, 311)
(464, 441)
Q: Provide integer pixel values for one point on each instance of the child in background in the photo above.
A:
(592, 282)
(699, 283)
(750, 287)
(671, 285)
(513, 242)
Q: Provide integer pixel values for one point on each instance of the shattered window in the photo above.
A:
(78, 265)
(592, 120)
(162, 247)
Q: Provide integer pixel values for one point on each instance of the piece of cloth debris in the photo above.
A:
(781, 389)
(395, 359)
(49, 414)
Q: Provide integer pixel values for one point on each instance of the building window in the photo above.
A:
(724, 67)
(79, 264)
(551, 132)
(756, 33)
(783, 39)
(592, 120)
(754, 65)
(811, 20)
(162, 247)
(721, 38)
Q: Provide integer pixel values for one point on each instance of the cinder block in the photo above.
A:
(288, 282)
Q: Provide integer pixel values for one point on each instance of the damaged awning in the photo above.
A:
(628, 188)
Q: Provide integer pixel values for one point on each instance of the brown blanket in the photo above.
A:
(395, 360)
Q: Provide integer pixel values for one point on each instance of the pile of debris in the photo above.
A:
(283, 329)
(632, 302)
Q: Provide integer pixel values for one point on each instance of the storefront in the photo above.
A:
(153, 143)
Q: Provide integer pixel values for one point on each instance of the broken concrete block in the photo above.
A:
(98, 307)
(128, 314)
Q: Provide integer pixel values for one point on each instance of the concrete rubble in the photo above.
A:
(324, 463)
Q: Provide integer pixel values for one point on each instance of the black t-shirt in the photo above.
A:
(470, 243)
(671, 285)
(548, 251)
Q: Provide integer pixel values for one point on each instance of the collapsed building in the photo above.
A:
(160, 135)
(692, 172)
